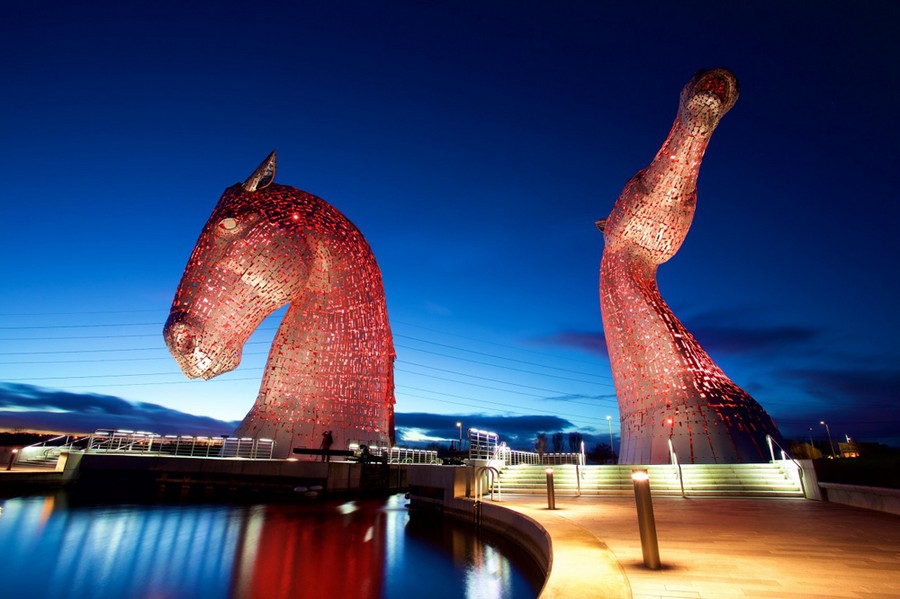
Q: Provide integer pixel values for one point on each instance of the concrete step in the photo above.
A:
(752, 480)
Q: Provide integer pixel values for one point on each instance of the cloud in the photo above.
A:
(515, 430)
(519, 432)
(30, 407)
(724, 333)
(736, 338)
(592, 342)
(864, 403)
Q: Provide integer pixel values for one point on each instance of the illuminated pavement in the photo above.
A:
(715, 548)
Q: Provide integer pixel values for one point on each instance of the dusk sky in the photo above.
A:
(474, 143)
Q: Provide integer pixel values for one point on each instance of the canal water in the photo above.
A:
(350, 549)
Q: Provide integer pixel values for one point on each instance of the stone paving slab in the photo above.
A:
(723, 548)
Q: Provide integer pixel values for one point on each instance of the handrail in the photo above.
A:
(674, 458)
(45, 441)
(494, 478)
(784, 457)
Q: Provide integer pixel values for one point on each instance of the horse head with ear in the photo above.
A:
(672, 396)
(330, 366)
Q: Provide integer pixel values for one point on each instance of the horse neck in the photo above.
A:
(645, 340)
(340, 315)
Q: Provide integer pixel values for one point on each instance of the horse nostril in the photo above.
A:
(180, 336)
(184, 340)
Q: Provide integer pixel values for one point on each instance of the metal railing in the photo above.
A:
(513, 457)
(401, 455)
(47, 452)
(673, 457)
(490, 476)
(786, 457)
(482, 444)
(144, 443)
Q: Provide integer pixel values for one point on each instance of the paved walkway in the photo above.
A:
(724, 548)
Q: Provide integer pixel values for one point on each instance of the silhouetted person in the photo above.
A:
(327, 442)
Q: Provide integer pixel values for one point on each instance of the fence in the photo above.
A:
(399, 455)
(119, 441)
(482, 444)
(513, 457)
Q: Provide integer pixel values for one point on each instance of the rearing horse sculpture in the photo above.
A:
(330, 367)
(669, 389)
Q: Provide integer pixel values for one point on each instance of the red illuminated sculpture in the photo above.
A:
(668, 387)
(330, 367)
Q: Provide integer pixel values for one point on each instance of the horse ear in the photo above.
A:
(262, 176)
(601, 224)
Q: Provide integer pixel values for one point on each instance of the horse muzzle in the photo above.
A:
(183, 338)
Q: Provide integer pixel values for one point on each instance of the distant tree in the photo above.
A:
(600, 454)
(805, 451)
(540, 445)
(558, 438)
(575, 440)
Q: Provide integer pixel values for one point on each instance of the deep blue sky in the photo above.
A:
(474, 144)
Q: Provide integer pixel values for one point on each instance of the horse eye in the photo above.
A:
(228, 224)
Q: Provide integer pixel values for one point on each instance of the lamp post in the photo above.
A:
(459, 426)
(830, 442)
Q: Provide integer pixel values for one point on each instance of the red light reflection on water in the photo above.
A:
(280, 555)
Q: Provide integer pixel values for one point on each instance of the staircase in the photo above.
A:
(38, 457)
(700, 480)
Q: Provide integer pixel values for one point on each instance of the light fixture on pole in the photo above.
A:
(612, 447)
(459, 426)
(830, 442)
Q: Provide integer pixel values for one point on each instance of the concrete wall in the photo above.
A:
(810, 481)
(449, 489)
(870, 498)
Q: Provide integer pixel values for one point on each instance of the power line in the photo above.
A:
(472, 351)
(267, 329)
(81, 326)
(498, 403)
(522, 349)
(7, 314)
(565, 378)
(535, 364)
(479, 378)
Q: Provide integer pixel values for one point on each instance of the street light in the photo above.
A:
(830, 442)
(612, 447)
(459, 426)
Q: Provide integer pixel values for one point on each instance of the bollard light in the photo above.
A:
(646, 521)
(12, 458)
(551, 492)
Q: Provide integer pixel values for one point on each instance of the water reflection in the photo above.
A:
(364, 549)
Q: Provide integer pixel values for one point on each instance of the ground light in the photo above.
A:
(646, 521)
(551, 492)
(12, 458)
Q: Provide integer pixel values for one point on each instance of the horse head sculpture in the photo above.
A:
(672, 396)
(331, 362)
